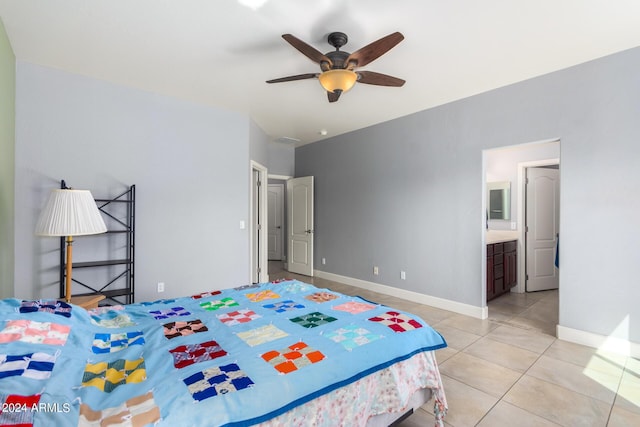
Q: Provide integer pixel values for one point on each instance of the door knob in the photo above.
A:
(309, 231)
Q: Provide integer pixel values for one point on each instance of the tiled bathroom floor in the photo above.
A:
(511, 370)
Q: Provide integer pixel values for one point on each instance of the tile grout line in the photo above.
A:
(615, 399)
(513, 385)
(577, 392)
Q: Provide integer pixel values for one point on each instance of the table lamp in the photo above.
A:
(69, 213)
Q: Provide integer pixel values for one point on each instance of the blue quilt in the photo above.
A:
(233, 357)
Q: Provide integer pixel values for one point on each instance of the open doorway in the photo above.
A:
(508, 166)
(277, 223)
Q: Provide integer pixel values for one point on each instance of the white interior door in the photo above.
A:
(275, 198)
(300, 238)
(542, 217)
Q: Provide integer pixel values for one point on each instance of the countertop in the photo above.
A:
(497, 236)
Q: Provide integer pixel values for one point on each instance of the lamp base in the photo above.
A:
(69, 265)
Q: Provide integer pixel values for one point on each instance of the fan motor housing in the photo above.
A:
(338, 59)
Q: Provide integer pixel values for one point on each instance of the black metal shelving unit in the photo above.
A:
(116, 279)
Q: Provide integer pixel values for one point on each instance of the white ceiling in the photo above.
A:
(220, 52)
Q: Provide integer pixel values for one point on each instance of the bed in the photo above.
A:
(273, 354)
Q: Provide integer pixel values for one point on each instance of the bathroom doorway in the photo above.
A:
(509, 165)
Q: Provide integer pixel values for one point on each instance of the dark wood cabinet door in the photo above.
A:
(502, 273)
(491, 290)
(510, 270)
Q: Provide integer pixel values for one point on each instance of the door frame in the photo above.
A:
(522, 188)
(282, 207)
(258, 235)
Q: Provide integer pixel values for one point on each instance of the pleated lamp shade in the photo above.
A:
(70, 213)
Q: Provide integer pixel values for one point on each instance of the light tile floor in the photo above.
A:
(511, 370)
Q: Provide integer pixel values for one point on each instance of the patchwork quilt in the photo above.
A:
(231, 357)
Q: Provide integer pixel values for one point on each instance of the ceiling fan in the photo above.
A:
(338, 67)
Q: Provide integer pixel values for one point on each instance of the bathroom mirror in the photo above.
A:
(499, 200)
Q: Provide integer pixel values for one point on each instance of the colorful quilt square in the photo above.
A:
(108, 376)
(262, 295)
(52, 306)
(189, 354)
(22, 416)
(138, 411)
(158, 301)
(282, 306)
(262, 335)
(239, 316)
(110, 343)
(321, 297)
(205, 294)
(98, 311)
(293, 357)
(34, 332)
(217, 380)
(397, 322)
(112, 319)
(293, 287)
(37, 366)
(355, 307)
(218, 304)
(182, 329)
(352, 336)
(313, 320)
(171, 312)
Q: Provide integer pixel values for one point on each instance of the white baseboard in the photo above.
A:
(445, 304)
(601, 342)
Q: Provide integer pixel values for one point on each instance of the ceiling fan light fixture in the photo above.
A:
(338, 80)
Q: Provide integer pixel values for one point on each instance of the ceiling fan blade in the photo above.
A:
(309, 51)
(293, 78)
(374, 50)
(372, 78)
(334, 96)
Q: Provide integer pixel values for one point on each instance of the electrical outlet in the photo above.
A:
(375, 270)
(324, 261)
(160, 286)
(403, 275)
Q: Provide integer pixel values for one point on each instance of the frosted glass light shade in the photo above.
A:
(70, 213)
(333, 80)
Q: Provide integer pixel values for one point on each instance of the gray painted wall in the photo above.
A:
(277, 157)
(190, 164)
(407, 194)
(258, 141)
(501, 164)
(7, 154)
(281, 159)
